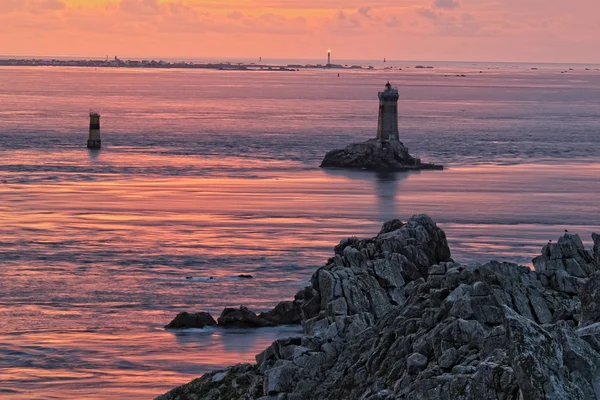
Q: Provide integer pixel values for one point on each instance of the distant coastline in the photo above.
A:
(118, 63)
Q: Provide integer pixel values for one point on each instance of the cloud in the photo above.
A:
(140, 6)
(446, 4)
(364, 11)
(52, 5)
(428, 13)
(9, 6)
(235, 15)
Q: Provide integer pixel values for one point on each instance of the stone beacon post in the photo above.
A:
(94, 141)
(387, 126)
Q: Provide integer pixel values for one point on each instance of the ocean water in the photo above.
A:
(212, 173)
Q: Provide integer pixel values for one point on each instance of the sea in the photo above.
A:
(204, 175)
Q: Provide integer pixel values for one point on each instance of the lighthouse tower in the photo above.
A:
(387, 127)
(94, 141)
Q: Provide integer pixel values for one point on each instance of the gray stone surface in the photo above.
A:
(416, 363)
(393, 317)
(590, 300)
(564, 265)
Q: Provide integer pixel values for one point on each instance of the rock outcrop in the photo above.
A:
(565, 265)
(394, 317)
(375, 155)
(186, 320)
(241, 318)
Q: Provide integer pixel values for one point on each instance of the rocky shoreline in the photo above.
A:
(375, 155)
(394, 317)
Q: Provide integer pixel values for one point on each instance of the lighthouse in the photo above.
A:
(387, 126)
(94, 141)
(328, 58)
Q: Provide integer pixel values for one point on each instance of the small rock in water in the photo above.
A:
(241, 318)
(245, 276)
(185, 320)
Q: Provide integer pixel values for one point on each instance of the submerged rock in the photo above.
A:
(394, 317)
(375, 155)
(185, 320)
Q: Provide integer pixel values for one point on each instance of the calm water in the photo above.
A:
(213, 174)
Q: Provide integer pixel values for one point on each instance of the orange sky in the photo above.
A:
(452, 30)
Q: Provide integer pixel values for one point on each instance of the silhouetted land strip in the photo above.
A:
(117, 63)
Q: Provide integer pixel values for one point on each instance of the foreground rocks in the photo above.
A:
(375, 155)
(394, 317)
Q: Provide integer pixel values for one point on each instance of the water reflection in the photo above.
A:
(385, 188)
(94, 154)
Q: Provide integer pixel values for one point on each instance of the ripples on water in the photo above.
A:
(213, 174)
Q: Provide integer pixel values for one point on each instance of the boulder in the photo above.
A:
(185, 320)
(375, 155)
(284, 313)
(241, 318)
(416, 363)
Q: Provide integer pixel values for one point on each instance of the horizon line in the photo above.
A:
(264, 59)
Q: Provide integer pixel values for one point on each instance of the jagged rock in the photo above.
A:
(416, 363)
(393, 317)
(237, 382)
(536, 356)
(279, 379)
(391, 226)
(241, 318)
(284, 313)
(590, 300)
(375, 155)
(448, 359)
(564, 265)
(596, 239)
(366, 278)
(185, 320)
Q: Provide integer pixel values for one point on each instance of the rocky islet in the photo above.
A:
(394, 317)
(375, 155)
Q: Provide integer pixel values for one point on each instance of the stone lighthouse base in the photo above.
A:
(376, 156)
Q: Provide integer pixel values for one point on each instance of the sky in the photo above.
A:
(437, 30)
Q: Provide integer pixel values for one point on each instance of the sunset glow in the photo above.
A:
(485, 30)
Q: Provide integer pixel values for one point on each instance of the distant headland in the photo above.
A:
(118, 63)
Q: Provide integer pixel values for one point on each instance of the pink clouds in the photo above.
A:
(400, 29)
